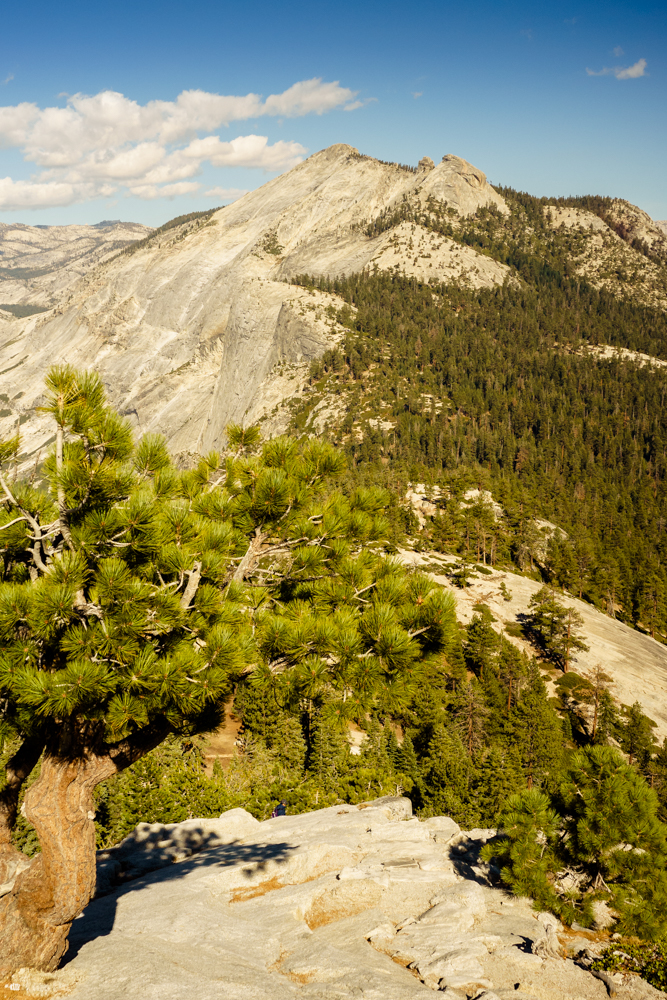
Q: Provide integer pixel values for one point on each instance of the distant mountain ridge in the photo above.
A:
(197, 324)
(38, 264)
(186, 328)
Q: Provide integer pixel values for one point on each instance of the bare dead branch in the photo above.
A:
(15, 521)
(193, 582)
(32, 521)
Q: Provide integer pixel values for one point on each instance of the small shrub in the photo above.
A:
(647, 960)
(507, 594)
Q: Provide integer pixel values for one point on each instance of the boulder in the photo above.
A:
(481, 835)
(396, 806)
(443, 828)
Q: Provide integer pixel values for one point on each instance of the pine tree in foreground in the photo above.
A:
(598, 838)
(124, 619)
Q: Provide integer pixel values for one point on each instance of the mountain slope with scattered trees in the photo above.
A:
(497, 390)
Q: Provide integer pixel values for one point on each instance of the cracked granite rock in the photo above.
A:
(345, 902)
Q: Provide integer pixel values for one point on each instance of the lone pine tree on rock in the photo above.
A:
(124, 618)
(556, 625)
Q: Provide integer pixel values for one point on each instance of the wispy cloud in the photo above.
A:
(621, 72)
(417, 93)
(151, 191)
(107, 144)
(225, 194)
(8, 79)
(618, 52)
(244, 151)
(631, 72)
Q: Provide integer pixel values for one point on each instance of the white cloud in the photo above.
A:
(107, 143)
(8, 79)
(417, 93)
(246, 151)
(31, 194)
(632, 72)
(308, 97)
(15, 121)
(618, 52)
(621, 72)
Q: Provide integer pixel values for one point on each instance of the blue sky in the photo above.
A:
(143, 111)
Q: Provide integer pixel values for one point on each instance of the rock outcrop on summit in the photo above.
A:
(352, 901)
(187, 330)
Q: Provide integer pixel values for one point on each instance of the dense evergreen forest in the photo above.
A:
(502, 389)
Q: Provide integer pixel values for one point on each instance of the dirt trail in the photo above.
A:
(221, 744)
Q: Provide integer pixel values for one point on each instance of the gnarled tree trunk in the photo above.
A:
(35, 917)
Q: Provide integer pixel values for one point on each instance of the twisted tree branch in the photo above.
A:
(32, 521)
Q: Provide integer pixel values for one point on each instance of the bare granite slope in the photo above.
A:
(351, 901)
(38, 264)
(607, 260)
(639, 225)
(186, 330)
(636, 663)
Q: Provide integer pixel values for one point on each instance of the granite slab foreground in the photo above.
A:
(364, 902)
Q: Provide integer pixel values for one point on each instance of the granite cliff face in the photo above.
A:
(190, 331)
(637, 224)
(38, 264)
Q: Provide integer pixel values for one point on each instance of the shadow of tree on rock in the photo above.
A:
(97, 920)
(468, 864)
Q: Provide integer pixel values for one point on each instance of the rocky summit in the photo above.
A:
(351, 901)
(186, 327)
